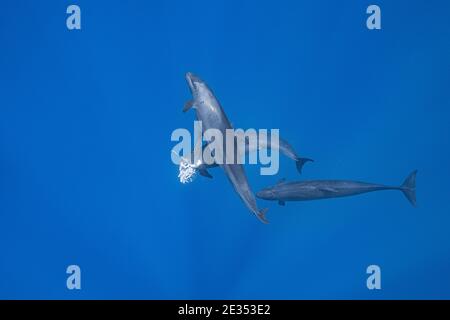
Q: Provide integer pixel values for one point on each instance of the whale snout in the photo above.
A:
(193, 81)
(189, 76)
(193, 77)
(189, 81)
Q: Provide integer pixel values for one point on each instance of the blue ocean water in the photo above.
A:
(85, 170)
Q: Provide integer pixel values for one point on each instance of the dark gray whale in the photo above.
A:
(209, 111)
(323, 189)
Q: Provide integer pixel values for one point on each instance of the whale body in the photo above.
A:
(323, 189)
(283, 146)
(210, 113)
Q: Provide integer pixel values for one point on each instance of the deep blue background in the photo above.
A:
(85, 170)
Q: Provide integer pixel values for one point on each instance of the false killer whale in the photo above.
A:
(283, 146)
(323, 189)
(210, 113)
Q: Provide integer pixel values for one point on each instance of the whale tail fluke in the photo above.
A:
(300, 162)
(409, 187)
(262, 215)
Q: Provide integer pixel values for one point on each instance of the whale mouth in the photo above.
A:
(192, 81)
(189, 80)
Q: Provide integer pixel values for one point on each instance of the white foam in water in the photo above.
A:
(187, 171)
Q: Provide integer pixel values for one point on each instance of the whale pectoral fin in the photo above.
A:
(205, 173)
(281, 202)
(188, 105)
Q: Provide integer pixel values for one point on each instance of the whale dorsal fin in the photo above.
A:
(281, 181)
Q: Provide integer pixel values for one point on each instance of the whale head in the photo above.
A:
(267, 194)
(197, 86)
